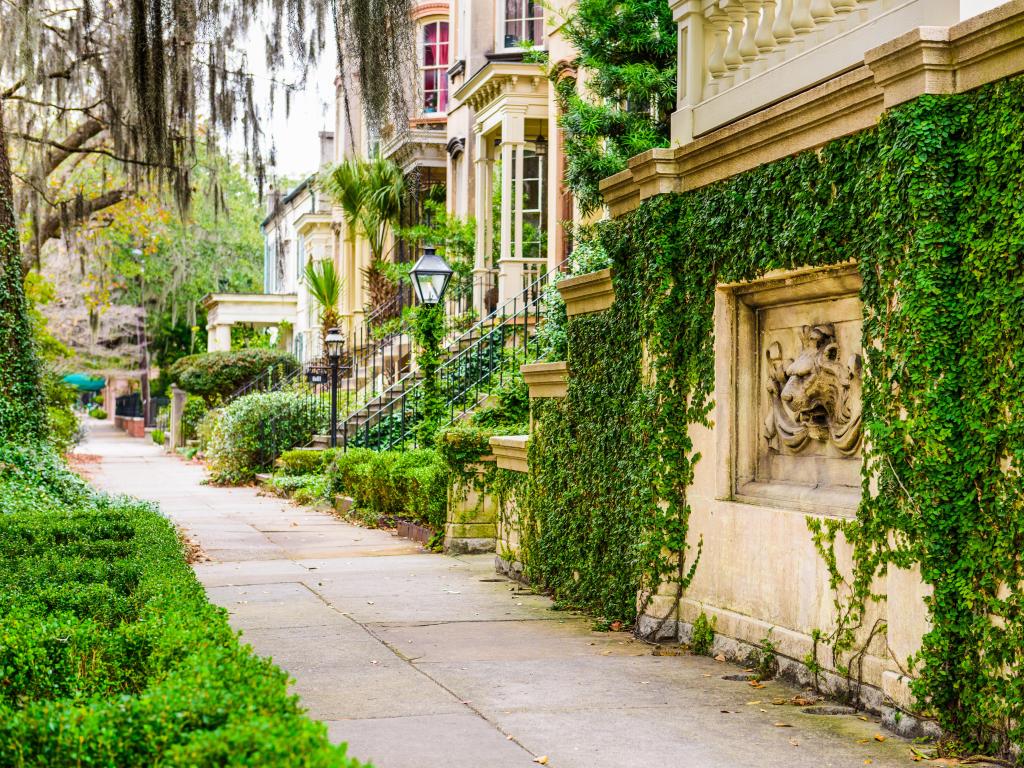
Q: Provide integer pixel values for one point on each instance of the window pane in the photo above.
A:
(442, 33)
(429, 56)
(430, 34)
(443, 92)
(442, 54)
(430, 80)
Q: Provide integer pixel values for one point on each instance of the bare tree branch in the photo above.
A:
(53, 224)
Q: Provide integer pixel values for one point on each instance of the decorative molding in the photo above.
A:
(584, 294)
(456, 146)
(927, 60)
(510, 452)
(546, 379)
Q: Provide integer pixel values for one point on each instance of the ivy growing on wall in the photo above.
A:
(929, 205)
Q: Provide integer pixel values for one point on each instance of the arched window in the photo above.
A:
(434, 66)
(523, 22)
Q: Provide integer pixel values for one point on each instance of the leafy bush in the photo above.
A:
(112, 654)
(98, 413)
(215, 375)
(305, 462)
(63, 430)
(394, 484)
(252, 431)
(191, 415)
(158, 436)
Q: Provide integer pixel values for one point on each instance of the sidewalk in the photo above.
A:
(420, 660)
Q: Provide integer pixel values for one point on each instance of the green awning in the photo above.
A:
(83, 382)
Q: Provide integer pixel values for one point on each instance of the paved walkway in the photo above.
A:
(421, 660)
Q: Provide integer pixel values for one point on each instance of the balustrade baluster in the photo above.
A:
(801, 19)
(748, 43)
(844, 6)
(733, 59)
(764, 38)
(782, 29)
(720, 29)
(821, 11)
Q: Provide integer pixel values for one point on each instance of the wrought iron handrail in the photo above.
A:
(390, 419)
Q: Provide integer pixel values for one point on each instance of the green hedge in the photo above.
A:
(110, 653)
(216, 375)
(250, 432)
(389, 485)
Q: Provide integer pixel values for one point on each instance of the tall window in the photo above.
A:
(524, 22)
(434, 64)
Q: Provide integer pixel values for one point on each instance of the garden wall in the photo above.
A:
(886, 266)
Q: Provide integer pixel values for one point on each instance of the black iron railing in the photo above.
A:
(128, 406)
(478, 363)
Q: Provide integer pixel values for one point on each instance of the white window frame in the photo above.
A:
(499, 32)
(441, 70)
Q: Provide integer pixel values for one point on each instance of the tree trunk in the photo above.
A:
(22, 408)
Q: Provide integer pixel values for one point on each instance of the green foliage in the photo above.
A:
(370, 192)
(216, 375)
(191, 415)
(251, 431)
(702, 638)
(111, 653)
(627, 55)
(391, 485)
(765, 659)
(510, 411)
(98, 413)
(63, 430)
(927, 203)
(588, 515)
(454, 239)
(306, 462)
(428, 332)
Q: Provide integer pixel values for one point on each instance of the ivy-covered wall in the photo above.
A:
(929, 203)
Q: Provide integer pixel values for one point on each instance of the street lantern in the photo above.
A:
(540, 145)
(335, 342)
(430, 277)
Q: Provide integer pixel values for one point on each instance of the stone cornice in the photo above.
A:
(546, 379)
(588, 293)
(510, 452)
(929, 60)
(495, 78)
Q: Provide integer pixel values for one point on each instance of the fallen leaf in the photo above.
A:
(755, 684)
(509, 737)
(800, 701)
(616, 626)
(782, 725)
(861, 717)
(794, 742)
(369, 602)
(753, 703)
(879, 737)
(720, 658)
(706, 675)
(868, 762)
(778, 702)
(543, 759)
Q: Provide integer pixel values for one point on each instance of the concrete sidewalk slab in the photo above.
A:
(421, 660)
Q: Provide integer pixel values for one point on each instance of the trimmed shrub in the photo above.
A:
(389, 485)
(111, 654)
(216, 375)
(249, 433)
(158, 436)
(305, 462)
(191, 415)
(98, 413)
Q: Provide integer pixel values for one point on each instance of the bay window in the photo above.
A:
(522, 22)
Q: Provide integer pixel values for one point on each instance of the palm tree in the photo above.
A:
(371, 194)
(324, 285)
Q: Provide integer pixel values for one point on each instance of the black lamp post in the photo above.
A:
(335, 342)
(430, 278)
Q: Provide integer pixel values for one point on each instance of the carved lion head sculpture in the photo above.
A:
(816, 381)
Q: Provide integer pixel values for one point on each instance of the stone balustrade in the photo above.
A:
(740, 56)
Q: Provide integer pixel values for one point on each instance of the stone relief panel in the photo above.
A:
(793, 389)
(809, 396)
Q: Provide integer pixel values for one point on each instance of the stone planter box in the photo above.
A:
(471, 526)
(587, 293)
(510, 452)
(546, 379)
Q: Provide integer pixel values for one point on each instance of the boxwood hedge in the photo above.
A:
(110, 653)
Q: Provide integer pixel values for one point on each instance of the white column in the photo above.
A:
(513, 138)
(690, 66)
(218, 338)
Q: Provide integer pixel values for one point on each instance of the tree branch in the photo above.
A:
(53, 224)
(87, 150)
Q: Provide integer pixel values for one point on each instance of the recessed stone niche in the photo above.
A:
(788, 389)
